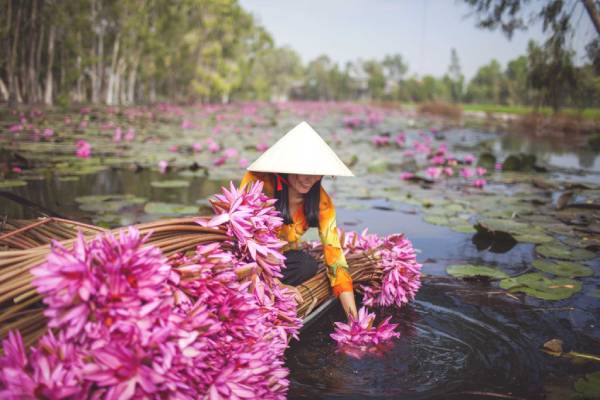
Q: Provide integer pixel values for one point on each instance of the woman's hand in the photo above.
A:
(348, 303)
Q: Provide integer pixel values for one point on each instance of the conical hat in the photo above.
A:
(301, 151)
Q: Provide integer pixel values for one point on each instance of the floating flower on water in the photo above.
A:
(118, 135)
(16, 169)
(84, 149)
(452, 162)
(212, 146)
(243, 163)
(433, 172)
(498, 166)
(174, 148)
(230, 152)
(48, 133)
(187, 124)
(400, 139)
(261, 146)
(479, 183)
(67, 120)
(197, 147)
(467, 172)
(219, 161)
(469, 158)
(448, 171)
(406, 176)
(163, 166)
(15, 128)
(380, 140)
(361, 336)
(83, 124)
(438, 160)
(130, 135)
(480, 171)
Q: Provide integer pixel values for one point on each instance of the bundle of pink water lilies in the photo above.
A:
(125, 321)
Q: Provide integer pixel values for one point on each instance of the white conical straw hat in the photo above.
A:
(301, 151)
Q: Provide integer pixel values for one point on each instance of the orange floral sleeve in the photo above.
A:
(337, 267)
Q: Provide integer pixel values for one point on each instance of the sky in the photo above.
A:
(422, 31)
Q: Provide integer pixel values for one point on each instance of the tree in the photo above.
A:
(455, 78)
(488, 84)
(517, 73)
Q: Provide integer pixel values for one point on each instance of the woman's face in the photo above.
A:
(303, 183)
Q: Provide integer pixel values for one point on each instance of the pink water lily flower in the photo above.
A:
(163, 166)
(118, 135)
(360, 336)
(406, 176)
(84, 149)
(479, 183)
(433, 172)
(469, 158)
(48, 133)
(480, 171)
(467, 172)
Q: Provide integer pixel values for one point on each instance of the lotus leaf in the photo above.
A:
(468, 270)
(538, 285)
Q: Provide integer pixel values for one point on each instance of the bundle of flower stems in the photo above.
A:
(21, 308)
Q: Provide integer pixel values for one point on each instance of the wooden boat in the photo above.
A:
(26, 243)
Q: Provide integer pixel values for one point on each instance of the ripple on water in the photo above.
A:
(446, 350)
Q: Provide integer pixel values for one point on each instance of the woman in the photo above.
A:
(291, 171)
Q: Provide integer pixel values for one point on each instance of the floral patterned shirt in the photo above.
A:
(337, 267)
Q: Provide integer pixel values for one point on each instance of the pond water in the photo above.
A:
(460, 338)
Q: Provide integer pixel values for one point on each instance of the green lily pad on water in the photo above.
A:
(435, 219)
(463, 228)
(12, 183)
(502, 225)
(68, 178)
(563, 268)
(589, 385)
(559, 250)
(534, 237)
(468, 270)
(108, 203)
(172, 184)
(87, 170)
(538, 285)
(169, 209)
(378, 167)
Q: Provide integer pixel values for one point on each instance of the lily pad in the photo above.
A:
(169, 209)
(468, 270)
(538, 285)
(172, 184)
(502, 225)
(559, 250)
(436, 219)
(563, 268)
(68, 178)
(534, 237)
(589, 385)
(11, 183)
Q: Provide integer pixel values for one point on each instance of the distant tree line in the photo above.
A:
(131, 51)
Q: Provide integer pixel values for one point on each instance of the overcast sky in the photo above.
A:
(422, 31)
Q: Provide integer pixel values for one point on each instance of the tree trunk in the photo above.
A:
(131, 78)
(112, 73)
(31, 74)
(593, 13)
(3, 90)
(38, 61)
(13, 89)
(50, 61)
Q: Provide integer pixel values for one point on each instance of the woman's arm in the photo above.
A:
(337, 267)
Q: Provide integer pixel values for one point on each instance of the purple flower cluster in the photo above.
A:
(361, 336)
(126, 322)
